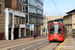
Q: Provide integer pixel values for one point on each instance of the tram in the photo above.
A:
(56, 31)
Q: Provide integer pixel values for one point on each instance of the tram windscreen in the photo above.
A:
(56, 29)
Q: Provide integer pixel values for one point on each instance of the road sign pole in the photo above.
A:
(31, 29)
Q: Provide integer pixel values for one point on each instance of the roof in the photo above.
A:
(72, 11)
(69, 15)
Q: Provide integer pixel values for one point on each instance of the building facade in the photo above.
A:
(2, 19)
(34, 15)
(69, 22)
(13, 4)
(44, 30)
(15, 25)
(33, 10)
(51, 19)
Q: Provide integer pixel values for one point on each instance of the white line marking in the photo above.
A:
(27, 47)
(40, 43)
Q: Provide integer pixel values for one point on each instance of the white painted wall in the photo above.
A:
(14, 13)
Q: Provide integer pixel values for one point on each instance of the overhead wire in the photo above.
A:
(57, 8)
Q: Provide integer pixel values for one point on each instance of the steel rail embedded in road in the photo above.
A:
(21, 44)
(47, 45)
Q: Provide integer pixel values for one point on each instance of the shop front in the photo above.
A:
(15, 26)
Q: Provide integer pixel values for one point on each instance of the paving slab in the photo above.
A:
(68, 44)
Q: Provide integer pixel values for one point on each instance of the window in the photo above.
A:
(49, 18)
(10, 18)
(16, 20)
(0, 9)
(22, 20)
(44, 29)
(19, 1)
(25, 8)
(56, 29)
(25, 1)
(26, 18)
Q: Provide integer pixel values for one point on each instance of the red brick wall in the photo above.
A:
(8, 3)
(14, 4)
(2, 36)
(19, 6)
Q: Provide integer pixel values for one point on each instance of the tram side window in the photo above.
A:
(60, 29)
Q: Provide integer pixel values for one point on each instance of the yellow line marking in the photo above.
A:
(61, 45)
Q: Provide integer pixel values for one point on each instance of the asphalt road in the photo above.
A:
(32, 44)
(40, 44)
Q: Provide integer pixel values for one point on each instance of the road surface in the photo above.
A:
(36, 44)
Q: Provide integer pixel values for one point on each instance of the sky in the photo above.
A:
(62, 5)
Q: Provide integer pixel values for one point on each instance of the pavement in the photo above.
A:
(68, 44)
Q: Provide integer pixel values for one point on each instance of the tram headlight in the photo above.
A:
(60, 35)
(50, 35)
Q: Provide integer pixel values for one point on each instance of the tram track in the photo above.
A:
(49, 43)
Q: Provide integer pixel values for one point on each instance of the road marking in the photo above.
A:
(27, 47)
(61, 44)
(40, 43)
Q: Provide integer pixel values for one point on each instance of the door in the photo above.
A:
(16, 33)
(9, 33)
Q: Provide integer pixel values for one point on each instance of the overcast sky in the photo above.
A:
(63, 6)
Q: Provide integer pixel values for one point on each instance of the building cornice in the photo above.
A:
(69, 15)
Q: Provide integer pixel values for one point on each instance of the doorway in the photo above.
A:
(9, 33)
(31, 33)
(22, 32)
(16, 33)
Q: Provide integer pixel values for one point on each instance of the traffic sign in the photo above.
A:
(32, 27)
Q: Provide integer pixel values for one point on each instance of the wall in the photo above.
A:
(68, 23)
(19, 6)
(13, 4)
(8, 3)
(49, 18)
(2, 19)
